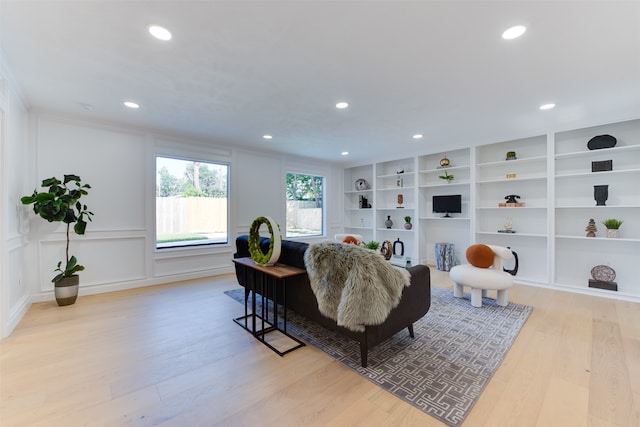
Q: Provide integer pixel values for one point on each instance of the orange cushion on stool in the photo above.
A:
(350, 239)
(480, 256)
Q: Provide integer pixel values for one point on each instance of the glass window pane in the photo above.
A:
(305, 205)
(191, 203)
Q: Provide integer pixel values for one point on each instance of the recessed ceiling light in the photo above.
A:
(547, 106)
(131, 104)
(514, 32)
(344, 153)
(160, 33)
(417, 136)
(267, 137)
(342, 105)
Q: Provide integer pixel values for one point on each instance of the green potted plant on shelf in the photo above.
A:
(612, 225)
(373, 245)
(61, 203)
(447, 177)
(407, 222)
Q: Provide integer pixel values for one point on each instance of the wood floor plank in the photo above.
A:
(170, 355)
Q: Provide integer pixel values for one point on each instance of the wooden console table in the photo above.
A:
(261, 277)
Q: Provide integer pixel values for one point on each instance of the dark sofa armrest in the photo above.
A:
(414, 304)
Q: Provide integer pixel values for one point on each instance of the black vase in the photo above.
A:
(601, 194)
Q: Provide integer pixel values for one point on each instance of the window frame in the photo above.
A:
(323, 220)
(191, 246)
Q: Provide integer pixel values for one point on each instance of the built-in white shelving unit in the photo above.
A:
(434, 228)
(553, 176)
(524, 176)
(359, 219)
(576, 254)
(396, 196)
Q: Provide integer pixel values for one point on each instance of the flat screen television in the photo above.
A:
(447, 204)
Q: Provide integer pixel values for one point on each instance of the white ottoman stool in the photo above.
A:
(482, 279)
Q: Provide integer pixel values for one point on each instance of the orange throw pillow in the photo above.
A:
(480, 256)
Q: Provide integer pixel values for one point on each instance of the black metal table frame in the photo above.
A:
(261, 277)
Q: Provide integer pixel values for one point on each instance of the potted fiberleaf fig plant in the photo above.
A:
(61, 203)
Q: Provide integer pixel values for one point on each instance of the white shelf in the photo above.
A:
(396, 175)
(601, 239)
(441, 170)
(517, 179)
(596, 174)
(599, 207)
(516, 234)
(358, 192)
(444, 184)
(539, 159)
(439, 218)
(597, 153)
(407, 187)
(526, 207)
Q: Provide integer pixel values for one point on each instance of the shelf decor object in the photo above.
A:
(388, 223)
(400, 201)
(612, 225)
(601, 194)
(362, 184)
(275, 241)
(602, 166)
(511, 202)
(407, 223)
(591, 228)
(446, 177)
(603, 278)
(511, 175)
(511, 155)
(601, 141)
(508, 226)
(444, 162)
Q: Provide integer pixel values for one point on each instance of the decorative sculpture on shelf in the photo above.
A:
(444, 162)
(591, 228)
(400, 201)
(400, 244)
(386, 250)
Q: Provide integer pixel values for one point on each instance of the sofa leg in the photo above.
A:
(457, 290)
(363, 354)
(410, 328)
(476, 297)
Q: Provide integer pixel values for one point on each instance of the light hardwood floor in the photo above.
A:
(171, 356)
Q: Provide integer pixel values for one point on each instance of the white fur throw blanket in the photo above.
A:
(354, 286)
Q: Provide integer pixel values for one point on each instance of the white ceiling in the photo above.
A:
(236, 70)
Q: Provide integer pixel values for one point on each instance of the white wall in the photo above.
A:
(14, 290)
(118, 249)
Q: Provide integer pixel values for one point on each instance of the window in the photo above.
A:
(191, 203)
(305, 206)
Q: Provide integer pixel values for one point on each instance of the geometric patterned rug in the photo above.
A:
(443, 370)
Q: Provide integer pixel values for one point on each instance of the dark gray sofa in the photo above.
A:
(415, 301)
